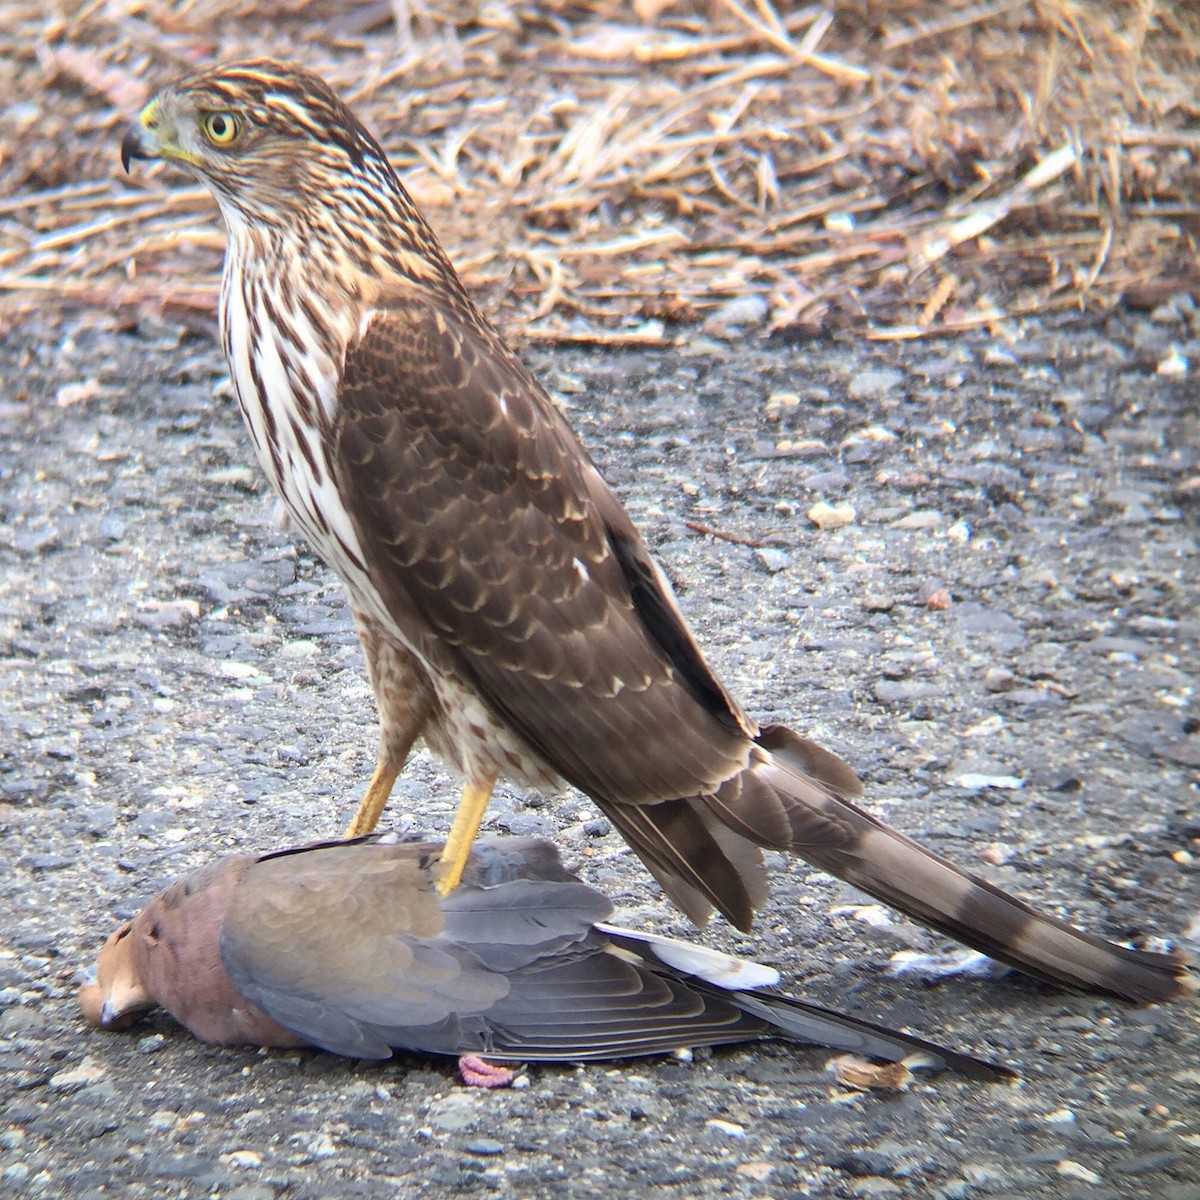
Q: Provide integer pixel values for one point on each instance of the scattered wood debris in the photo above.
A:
(609, 172)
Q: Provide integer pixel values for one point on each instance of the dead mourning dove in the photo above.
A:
(350, 947)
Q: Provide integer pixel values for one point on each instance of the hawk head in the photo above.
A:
(284, 156)
(263, 135)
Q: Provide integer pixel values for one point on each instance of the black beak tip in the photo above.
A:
(131, 148)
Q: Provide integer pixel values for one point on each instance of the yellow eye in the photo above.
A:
(221, 128)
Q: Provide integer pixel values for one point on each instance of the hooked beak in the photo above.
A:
(133, 145)
(141, 139)
(152, 135)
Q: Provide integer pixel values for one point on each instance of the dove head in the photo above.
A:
(114, 995)
(169, 956)
(165, 955)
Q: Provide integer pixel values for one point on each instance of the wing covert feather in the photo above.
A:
(503, 556)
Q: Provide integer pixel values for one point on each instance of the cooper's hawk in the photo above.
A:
(349, 947)
(510, 612)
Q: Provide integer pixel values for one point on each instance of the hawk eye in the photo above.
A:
(221, 128)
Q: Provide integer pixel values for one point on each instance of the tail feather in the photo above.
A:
(678, 842)
(791, 796)
(752, 988)
(809, 1023)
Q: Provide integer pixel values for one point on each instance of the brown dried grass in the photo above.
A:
(600, 170)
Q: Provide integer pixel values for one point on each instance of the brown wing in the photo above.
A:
(504, 557)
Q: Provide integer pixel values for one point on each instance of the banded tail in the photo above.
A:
(793, 796)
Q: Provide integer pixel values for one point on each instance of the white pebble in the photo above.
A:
(1174, 366)
(730, 1128)
(832, 516)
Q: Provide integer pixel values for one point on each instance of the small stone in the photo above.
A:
(98, 818)
(873, 1187)
(1033, 696)
(998, 356)
(250, 1191)
(862, 1162)
(238, 670)
(741, 312)
(78, 393)
(236, 476)
(50, 862)
(729, 1128)
(939, 600)
(997, 854)
(320, 1145)
(167, 614)
(977, 781)
(968, 964)
(832, 516)
(871, 385)
(862, 1075)
(998, 679)
(878, 602)
(772, 560)
(928, 518)
(904, 691)
(242, 1159)
(1174, 366)
(112, 528)
(1153, 626)
(151, 1044)
(871, 433)
(759, 1171)
(458, 1110)
(487, 1147)
(77, 1077)
(1074, 1170)
(959, 533)
(780, 402)
(299, 649)
(526, 824)
(1060, 1116)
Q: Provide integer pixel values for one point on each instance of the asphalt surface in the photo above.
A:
(1003, 641)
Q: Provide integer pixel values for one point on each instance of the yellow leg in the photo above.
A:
(467, 820)
(371, 808)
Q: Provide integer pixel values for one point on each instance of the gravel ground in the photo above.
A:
(1003, 641)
